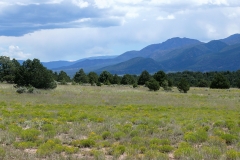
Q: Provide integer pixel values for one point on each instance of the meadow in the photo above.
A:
(119, 122)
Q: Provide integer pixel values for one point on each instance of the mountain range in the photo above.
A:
(175, 54)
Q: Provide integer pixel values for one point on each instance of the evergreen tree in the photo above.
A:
(203, 83)
(62, 76)
(238, 83)
(153, 85)
(105, 78)
(183, 85)
(116, 79)
(33, 73)
(92, 77)
(144, 77)
(80, 77)
(160, 76)
(8, 69)
(128, 79)
(220, 82)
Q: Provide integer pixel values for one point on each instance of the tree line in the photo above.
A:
(33, 73)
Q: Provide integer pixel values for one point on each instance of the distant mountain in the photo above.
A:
(133, 66)
(158, 50)
(175, 54)
(231, 40)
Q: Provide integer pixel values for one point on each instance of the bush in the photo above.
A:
(30, 134)
(99, 84)
(153, 85)
(203, 83)
(21, 90)
(183, 86)
(229, 138)
(106, 134)
(220, 82)
(238, 83)
(85, 143)
(135, 85)
(232, 154)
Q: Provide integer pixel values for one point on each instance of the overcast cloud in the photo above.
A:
(74, 29)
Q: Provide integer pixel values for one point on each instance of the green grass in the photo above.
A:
(119, 122)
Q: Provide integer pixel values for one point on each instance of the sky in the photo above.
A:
(52, 30)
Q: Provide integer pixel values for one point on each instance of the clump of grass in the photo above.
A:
(2, 153)
(30, 134)
(106, 134)
(118, 135)
(186, 151)
(211, 152)
(232, 155)
(196, 137)
(229, 138)
(24, 145)
(54, 146)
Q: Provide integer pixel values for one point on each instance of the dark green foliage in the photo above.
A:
(105, 77)
(203, 83)
(63, 77)
(128, 79)
(219, 82)
(238, 83)
(183, 86)
(8, 69)
(116, 79)
(160, 76)
(33, 73)
(135, 85)
(80, 77)
(153, 85)
(144, 77)
(92, 78)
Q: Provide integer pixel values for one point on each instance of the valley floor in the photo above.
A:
(119, 122)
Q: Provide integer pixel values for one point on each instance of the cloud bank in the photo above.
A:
(74, 29)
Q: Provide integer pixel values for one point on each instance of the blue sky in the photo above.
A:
(73, 29)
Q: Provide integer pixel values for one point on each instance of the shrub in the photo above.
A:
(135, 85)
(106, 134)
(24, 145)
(30, 134)
(99, 84)
(153, 85)
(203, 83)
(85, 143)
(165, 148)
(50, 147)
(211, 153)
(232, 155)
(21, 90)
(183, 86)
(196, 137)
(238, 83)
(220, 82)
(229, 138)
(185, 151)
(119, 149)
(118, 135)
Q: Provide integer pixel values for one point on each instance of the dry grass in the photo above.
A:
(119, 122)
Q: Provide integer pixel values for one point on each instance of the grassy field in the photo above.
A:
(119, 122)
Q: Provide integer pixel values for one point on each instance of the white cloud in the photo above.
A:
(80, 3)
(168, 17)
(15, 52)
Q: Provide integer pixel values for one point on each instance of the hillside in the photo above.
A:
(133, 66)
(175, 54)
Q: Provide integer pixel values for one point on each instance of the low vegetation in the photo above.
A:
(119, 122)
